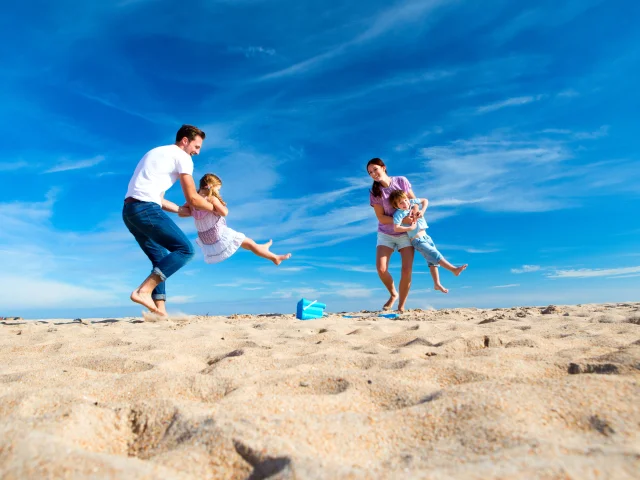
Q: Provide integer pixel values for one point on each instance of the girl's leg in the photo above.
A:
(383, 254)
(436, 279)
(455, 270)
(407, 254)
(263, 251)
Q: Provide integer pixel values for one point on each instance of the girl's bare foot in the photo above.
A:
(144, 299)
(458, 270)
(441, 288)
(281, 258)
(391, 301)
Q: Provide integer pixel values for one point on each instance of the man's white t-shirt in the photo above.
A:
(157, 172)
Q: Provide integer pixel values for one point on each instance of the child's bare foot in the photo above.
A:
(458, 270)
(144, 299)
(281, 258)
(268, 244)
(441, 288)
(390, 302)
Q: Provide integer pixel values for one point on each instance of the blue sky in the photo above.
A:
(517, 121)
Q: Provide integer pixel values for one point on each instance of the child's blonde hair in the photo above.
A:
(208, 182)
(396, 196)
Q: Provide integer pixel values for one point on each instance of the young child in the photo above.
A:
(420, 241)
(217, 241)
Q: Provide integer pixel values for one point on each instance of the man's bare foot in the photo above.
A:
(390, 302)
(153, 317)
(281, 258)
(144, 299)
(458, 270)
(400, 309)
(441, 288)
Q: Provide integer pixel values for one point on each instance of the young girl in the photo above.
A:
(420, 241)
(219, 242)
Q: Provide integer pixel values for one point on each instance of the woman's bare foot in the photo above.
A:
(441, 288)
(144, 299)
(391, 301)
(458, 270)
(281, 258)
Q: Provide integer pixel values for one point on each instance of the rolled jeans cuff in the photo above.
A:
(158, 272)
(158, 296)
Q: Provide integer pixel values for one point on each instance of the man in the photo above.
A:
(161, 240)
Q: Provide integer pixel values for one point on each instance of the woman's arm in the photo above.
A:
(386, 219)
(382, 217)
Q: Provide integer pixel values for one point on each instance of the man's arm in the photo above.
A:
(191, 193)
(168, 206)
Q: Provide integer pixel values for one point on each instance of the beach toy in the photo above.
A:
(309, 309)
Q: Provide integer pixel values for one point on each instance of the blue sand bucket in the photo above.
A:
(309, 309)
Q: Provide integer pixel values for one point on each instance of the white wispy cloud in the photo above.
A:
(17, 292)
(349, 290)
(511, 285)
(401, 14)
(568, 93)
(526, 269)
(590, 273)
(10, 166)
(526, 173)
(67, 165)
(510, 102)
(182, 298)
(253, 51)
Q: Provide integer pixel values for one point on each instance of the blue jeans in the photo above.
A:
(428, 249)
(160, 239)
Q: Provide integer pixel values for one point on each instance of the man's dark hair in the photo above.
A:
(190, 132)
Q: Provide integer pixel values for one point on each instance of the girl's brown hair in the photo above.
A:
(375, 189)
(210, 181)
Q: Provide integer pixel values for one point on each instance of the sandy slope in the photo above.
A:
(462, 393)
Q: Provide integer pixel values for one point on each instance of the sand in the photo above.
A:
(458, 393)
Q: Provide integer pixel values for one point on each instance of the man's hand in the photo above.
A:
(184, 210)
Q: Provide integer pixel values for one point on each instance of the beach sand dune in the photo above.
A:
(526, 392)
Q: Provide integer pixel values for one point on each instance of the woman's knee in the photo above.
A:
(382, 269)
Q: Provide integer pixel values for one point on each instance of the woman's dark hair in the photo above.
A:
(375, 189)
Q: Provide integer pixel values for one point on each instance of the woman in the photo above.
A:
(388, 239)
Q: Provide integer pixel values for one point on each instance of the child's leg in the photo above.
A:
(263, 251)
(436, 279)
(455, 270)
(436, 258)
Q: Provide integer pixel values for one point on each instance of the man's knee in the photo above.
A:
(187, 250)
